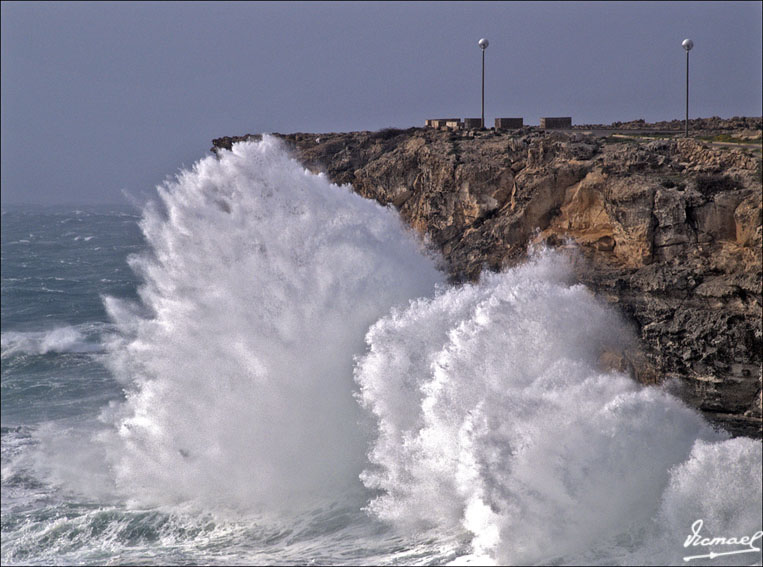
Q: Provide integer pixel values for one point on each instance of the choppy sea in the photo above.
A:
(260, 367)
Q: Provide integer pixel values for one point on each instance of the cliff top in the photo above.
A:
(665, 228)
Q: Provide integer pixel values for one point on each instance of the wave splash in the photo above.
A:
(261, 282)
(495, 415)
(486, 407)
(66, 339)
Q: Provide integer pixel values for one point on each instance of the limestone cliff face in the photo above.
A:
(669, 231)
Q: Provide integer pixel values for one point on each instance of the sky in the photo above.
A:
(101, 101)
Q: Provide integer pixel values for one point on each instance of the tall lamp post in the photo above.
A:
(483, 43)
(687, 45)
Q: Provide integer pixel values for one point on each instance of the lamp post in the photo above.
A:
(687, 45)
(483, 43)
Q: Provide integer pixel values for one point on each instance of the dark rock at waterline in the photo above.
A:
(669, 231)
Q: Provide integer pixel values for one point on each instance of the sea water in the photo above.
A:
(261, 367)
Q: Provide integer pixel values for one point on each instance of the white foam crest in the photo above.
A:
(89, 536)
(58, 340)
(494, 413)
(261, 282)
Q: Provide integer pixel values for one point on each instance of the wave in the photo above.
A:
(495, 414)
(295, 344)
(260, 284)
(66, 339)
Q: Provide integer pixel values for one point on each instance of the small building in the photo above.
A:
(557, 122)
(443, 122)
(472, 123)
(508, 123)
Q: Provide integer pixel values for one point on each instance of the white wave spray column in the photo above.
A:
(495, 415)
(260, 284)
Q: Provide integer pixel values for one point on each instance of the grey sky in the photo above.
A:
(103, 97)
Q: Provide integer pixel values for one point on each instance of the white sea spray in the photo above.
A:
(261, 281)
(478, 422)
(494, 413)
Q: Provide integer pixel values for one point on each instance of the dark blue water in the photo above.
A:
(57, 264)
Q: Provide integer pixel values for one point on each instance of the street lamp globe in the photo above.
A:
(687, 44)
(483, 43)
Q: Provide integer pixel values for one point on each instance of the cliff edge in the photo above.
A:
(668, 230)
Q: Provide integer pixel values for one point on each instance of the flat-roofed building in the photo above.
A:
(556, 122)
(508, 123)
(443, 122)
(471, 123)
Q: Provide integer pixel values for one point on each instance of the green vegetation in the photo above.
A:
(638, 136)
(728, 138)
(388, 133)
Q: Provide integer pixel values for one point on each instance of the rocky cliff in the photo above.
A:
(668, 231)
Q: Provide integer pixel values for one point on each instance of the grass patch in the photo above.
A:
(728, 138)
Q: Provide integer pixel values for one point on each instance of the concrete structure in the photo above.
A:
(443, 123)
(558, 122)
(476, 123)
(508, 123)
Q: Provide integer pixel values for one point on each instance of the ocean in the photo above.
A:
(260, 367)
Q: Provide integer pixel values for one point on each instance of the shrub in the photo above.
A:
(387, 133)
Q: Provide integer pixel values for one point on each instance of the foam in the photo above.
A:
(66, 339)
(495, 414)
(484, 412)
(259, 285)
